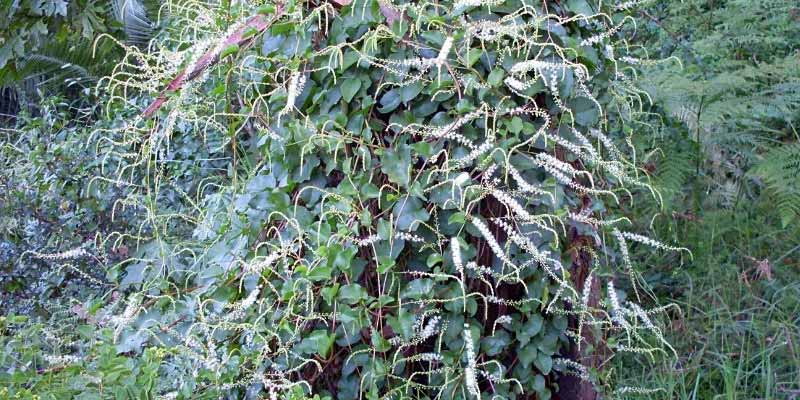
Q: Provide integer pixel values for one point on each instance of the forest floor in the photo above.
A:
(737, 335)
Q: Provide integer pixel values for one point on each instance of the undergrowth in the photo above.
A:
(725, 161)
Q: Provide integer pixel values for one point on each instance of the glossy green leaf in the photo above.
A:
(349, 88)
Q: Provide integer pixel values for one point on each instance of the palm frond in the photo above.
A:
(135, 21)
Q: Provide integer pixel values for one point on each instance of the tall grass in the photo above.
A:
(738, 332)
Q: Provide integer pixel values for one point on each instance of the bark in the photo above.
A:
(572, 387)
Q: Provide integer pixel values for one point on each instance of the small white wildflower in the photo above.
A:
(523, 185)
(492, 241)
(650, 242)
(480, 269)
(607, 143)
(64, 255)
(169, 396)
(616, 309)
(516, 84)
(430, 328)
(361, 242)
(602, 35)
(62, 359)
(639, 312)
(630, 60)
(445, 50)
(470, 375)
(494, 299)
(587, 290)
(525, 244)
(462, 5)
(637, 390)
(449, 131)
(623, 248)
(486, 146)
(629, 4)
(579, 369)
(296, 83)
(431, 357)
(456, 250)
(260, 264)
(250, 299)
(513, 204)
(409, 237)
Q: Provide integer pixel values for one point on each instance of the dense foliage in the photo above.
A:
(49, 47)
(47, 207)
(737, 95)
(385, 200)
(725, 160)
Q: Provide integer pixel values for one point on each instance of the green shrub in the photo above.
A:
(36, 367)
(365, 199)
(49, 205)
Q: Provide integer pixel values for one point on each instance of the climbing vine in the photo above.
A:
(365, 199)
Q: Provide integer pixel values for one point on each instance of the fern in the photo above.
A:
(780, 171)
(738, 94)
(675, 167)
(60, 67)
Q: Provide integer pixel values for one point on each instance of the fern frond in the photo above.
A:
(780, 171)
